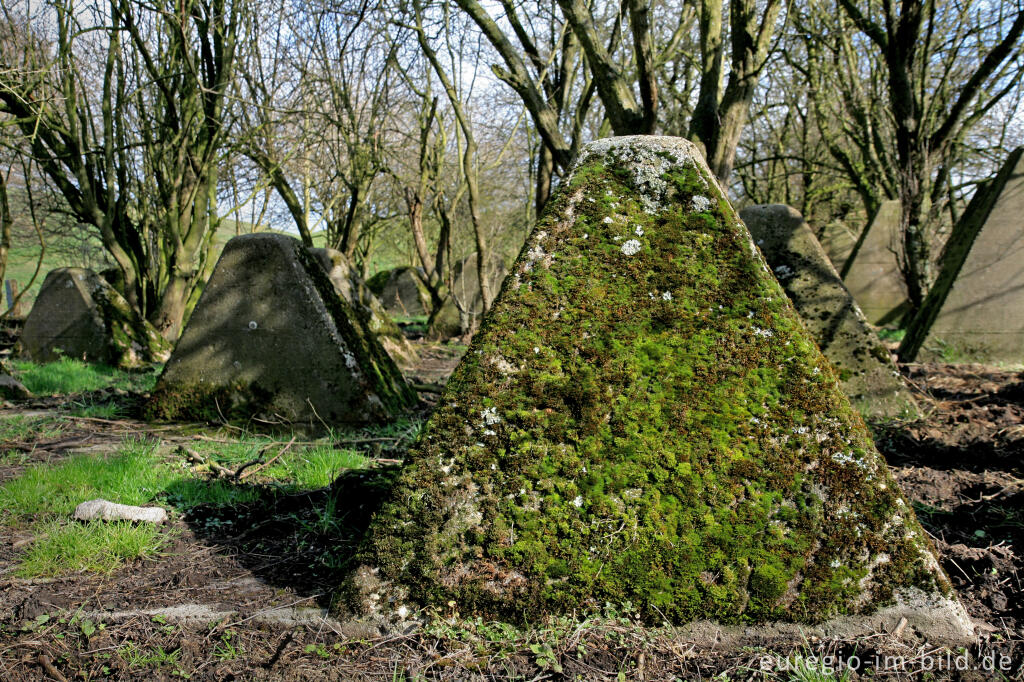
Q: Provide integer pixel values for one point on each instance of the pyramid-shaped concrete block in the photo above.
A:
(79, 315)
(865, 369)
(975, 310)
(874, 276)
(401, 291)
(357, 294)
(838, 240)
(271, 338)
(462, 310)
(642, 418)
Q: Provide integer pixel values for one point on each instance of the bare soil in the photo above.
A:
(242, 591)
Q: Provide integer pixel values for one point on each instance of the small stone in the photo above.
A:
(104, 510)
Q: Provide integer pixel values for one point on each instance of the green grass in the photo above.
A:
(315, 467)
(67, 376)
(43, 498)
(133, 475)
(190, 492)
(887, 334)
(97, 547)
(21, 428)
(136, 656)
(102, 410)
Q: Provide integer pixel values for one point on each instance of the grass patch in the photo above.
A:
(136, 656)
(98, 547)
(22, 428)
(887, 334)
(133, 475)
(75, 376)
(190, 492)
(315, 467)
(102, 410)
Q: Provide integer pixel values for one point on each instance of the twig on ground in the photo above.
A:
(44, 661)
(242, 473)
(194, 457)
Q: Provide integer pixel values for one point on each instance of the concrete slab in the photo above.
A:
(975, 310)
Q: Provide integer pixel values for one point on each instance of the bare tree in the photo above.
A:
(945, 65)
(126, 117)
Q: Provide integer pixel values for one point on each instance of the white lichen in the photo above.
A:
(631, 247)
(700, 203)
(490, 417)
(784, 272)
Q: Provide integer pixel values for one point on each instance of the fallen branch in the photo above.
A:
(194, 457)
(44, 661)
(242, 473)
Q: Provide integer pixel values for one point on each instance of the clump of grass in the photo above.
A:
(68, 375)
(20, 428)
(133, 475)
(103, 410)
(98, 547)
(190, 492)
(315, 467)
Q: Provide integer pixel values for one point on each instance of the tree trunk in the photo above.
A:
(6, 221)
(545, 172)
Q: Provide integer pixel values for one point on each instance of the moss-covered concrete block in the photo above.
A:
(357, 294)
(642, 417)
(78, 314)
(866, 370)
(271, 338)
(975, 310)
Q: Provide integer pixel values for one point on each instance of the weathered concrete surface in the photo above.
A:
(401, 291)
(105, 510)
(462, 310)
(874, 277)
(270, 338)
(838, 240)
(12, 389)
(643, 417)
(357, 294)
(866, 370)
(975, 310)
(79, 315)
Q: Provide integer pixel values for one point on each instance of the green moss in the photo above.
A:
(201, 402)
(653, 427)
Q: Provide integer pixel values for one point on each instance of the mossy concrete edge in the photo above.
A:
(751, 479)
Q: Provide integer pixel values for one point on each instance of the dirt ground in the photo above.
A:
(243, 591)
